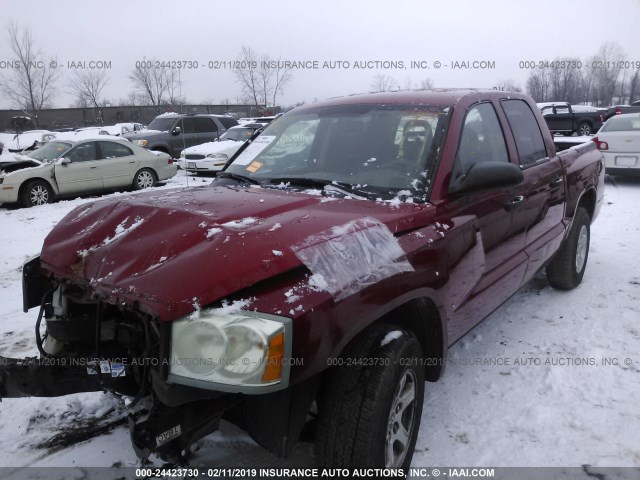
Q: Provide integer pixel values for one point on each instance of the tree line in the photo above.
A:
(604, 79)
(34, 80)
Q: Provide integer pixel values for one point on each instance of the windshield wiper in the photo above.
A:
(238, 177)
(344, 187)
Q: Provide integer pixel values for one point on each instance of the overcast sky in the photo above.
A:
(502, 31)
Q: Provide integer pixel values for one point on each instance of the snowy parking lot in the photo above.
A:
(550, 379)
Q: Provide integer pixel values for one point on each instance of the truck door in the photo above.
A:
(500, 238)
(544, 186)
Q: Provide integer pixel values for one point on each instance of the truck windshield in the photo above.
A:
(380, 149)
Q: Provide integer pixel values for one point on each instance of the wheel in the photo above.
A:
(567, 268)
(370, 406)
(584, 128)
(145, 178)
(37, 192)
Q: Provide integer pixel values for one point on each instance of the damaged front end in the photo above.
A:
(181, 376)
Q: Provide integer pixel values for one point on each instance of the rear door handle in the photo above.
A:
(557, 182)
(92, 168)
(515, 202)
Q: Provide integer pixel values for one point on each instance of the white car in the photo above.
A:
(213, 156)
(619, 142)
(88, 166)
(25, 140)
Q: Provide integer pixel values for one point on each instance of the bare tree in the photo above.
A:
(426, 83)
(31, 87)
(158, 85)
(87, 87)
(538, 84)
(605, 69)
(174, 87)
(384, 83)
(261, 78)
(634, 86)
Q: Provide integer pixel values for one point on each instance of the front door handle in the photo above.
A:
(92, 168)
(515, 202)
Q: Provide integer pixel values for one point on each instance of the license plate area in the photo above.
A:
(626, 161)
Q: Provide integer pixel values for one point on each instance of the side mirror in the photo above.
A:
(63, 161)
(488, 176)
(177, 131)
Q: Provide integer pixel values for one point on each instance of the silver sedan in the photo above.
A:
(88, 166)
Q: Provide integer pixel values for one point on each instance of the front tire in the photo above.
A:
(36, 192)
(145, 178)
(370, 406)
(567, 268)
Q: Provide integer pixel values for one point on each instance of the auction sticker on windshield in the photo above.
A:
(253, 150)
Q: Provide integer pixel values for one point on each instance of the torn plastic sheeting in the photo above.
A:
(353, 256)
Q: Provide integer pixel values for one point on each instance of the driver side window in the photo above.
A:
(481, 140)
(84, 152)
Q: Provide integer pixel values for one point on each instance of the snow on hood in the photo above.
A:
(167, 251)
(214, 147)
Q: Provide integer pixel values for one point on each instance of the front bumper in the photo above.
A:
(9, 193)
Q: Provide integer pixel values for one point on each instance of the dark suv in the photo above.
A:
(172, 132)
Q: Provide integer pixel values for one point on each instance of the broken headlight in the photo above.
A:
(234, 352)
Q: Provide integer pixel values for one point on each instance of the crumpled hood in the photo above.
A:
(168, 252)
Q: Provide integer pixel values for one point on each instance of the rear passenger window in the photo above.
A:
(188, 125)
(481, 140)
(526, 131)
(114, 150)
(205, 125)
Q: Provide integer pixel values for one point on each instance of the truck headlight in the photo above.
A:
(245, 352)
(142, 143)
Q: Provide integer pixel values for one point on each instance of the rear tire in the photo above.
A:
(36, 192)
(585, 129)
(371, 404)
(567, 268)
(145, 178)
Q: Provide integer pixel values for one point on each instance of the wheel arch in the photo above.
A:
(24, 184)
(422, 316)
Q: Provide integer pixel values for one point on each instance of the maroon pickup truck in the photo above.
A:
(317, 283)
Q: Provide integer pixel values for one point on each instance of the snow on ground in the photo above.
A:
(531, 414)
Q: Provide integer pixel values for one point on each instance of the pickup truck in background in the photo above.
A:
(561, 117)
(318, 282)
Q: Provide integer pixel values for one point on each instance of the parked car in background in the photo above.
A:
(46, 153)
(83, 167)
(172, 132)
(622, 109)
(121, 128)
(293, 300)
(261, 120)
(619, 142)
(561, 117)
(212, 156)
(28, 140)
